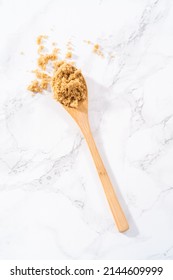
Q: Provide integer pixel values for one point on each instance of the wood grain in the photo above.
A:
(114, 204)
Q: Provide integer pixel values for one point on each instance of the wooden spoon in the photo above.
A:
(80, 115)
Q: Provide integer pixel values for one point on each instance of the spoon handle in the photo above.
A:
(112, 199)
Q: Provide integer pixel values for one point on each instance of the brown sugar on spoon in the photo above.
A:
(68, 85)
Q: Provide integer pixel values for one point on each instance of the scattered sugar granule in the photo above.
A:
(44, 77)
(44, 84)
(44, 59)
(35, 86)
(88, 42)
(68, 55)
(40, 38)
(41, 75)
(96, 49)
(40, 48)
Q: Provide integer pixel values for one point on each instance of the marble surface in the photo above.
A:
(52, 205)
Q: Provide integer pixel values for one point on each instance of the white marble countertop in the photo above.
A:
(52, 205)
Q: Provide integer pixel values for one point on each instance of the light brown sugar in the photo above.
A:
(68, 85)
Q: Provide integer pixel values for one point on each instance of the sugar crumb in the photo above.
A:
(87, 41)
(35, 87)
(96, 47)
(44, 59)
(40, 38)
(40, 48)
(41, 75)
(68, 55)
(97, 50)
